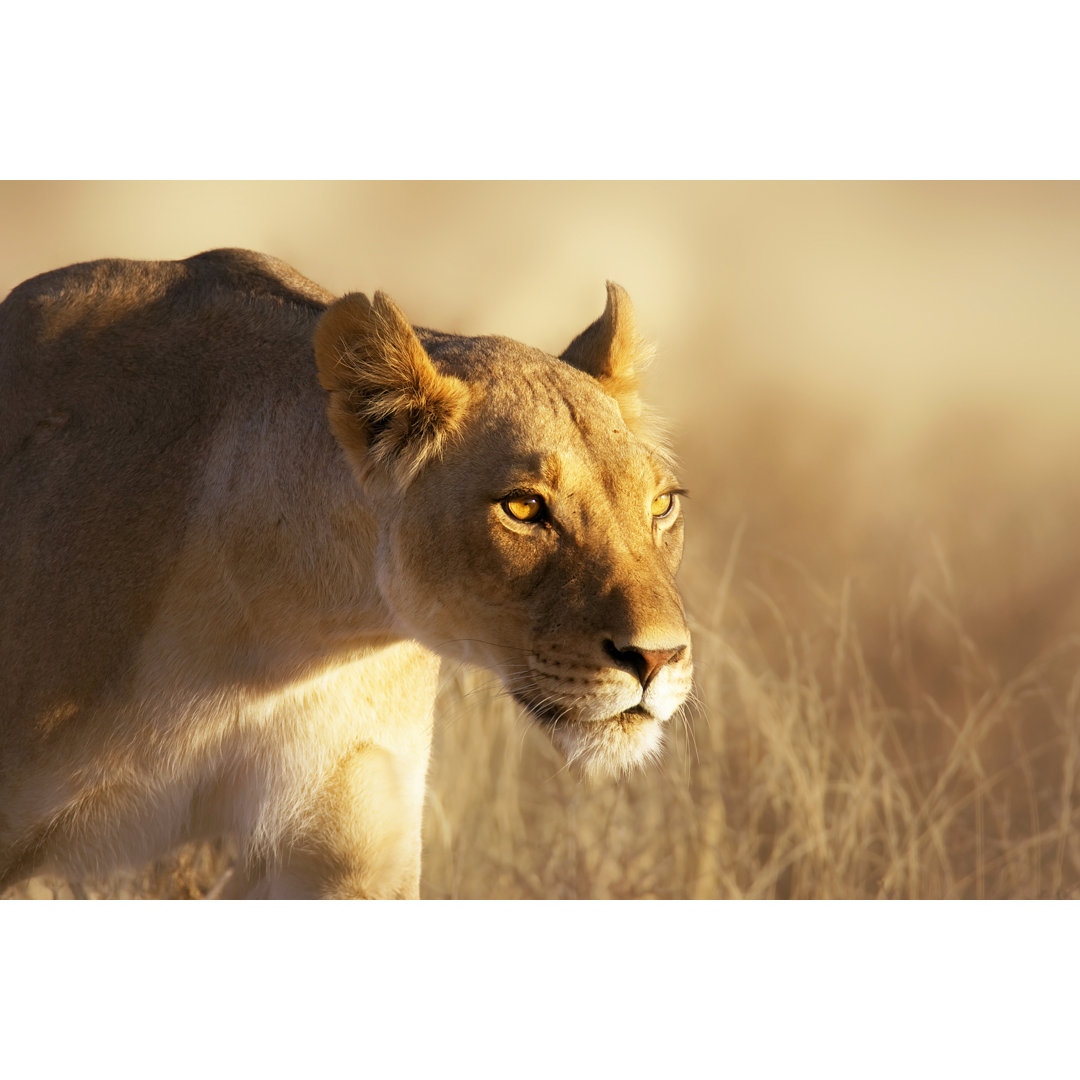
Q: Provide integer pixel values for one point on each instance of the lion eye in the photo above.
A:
(524, 507)
(661, 505)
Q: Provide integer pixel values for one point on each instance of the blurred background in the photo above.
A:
(874, 389)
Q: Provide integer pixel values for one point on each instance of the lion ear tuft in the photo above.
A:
(612, 351)
(390, 408)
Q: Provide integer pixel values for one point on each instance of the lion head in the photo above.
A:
(529, 520)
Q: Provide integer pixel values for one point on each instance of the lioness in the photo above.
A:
(226, 583)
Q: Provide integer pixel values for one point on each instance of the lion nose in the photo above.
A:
(644, 663)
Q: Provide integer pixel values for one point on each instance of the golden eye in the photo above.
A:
(661, 505)
(524, 507)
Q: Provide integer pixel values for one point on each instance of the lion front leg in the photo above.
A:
(360, 837)
(371, 819)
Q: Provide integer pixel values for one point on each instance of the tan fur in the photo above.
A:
(226, 588)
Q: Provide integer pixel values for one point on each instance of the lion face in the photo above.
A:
(523, 525)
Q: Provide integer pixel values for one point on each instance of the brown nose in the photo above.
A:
(644, 663)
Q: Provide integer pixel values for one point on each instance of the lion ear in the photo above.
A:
(390, 407)
(613, 352)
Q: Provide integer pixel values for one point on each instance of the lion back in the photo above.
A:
(113, 375)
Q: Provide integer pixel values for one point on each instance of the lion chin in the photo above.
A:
(605, 748)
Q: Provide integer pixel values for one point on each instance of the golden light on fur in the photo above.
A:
(232, 571)
(873, 385)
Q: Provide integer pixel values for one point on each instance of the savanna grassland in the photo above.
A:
(874, 393)
(887, 705)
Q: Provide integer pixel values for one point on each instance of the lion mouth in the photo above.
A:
(552, 715)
